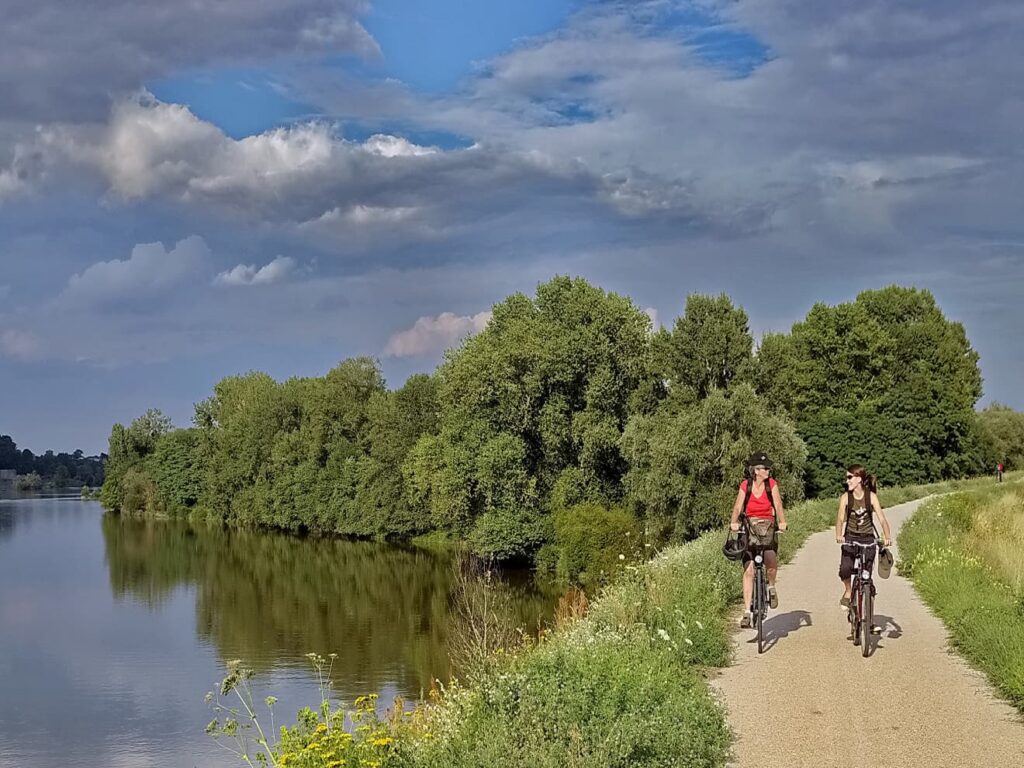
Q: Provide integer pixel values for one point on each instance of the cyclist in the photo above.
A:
(858, 508)
(758, 498)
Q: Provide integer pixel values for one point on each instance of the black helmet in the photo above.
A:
(735, 546)
(759, 459)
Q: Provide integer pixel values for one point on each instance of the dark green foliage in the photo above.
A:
(544, 389)
(566, 401)
(886, 380)
(687, 462)
(1003, 430)
(595, 543)
(59, 469)
(176, 467)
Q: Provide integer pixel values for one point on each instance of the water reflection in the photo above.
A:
(269, 599)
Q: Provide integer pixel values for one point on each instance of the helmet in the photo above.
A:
(759, 458)
(885, 562)
(735, 546)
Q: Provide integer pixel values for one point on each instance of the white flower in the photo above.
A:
(622, 557)
(664, 635)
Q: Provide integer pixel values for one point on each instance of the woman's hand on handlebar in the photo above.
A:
(783, 526)
(734, 525)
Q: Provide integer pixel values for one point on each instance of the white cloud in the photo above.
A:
(249, 274)
(432, 334)
(652, 313)
(20, 345)
(150, 270)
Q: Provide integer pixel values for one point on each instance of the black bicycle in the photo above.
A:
(759, 598)
(862, 598)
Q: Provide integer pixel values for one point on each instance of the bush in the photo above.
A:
(595, 542)
(140, 493)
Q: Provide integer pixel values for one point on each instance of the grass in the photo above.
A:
(625, 684)
(963, 553)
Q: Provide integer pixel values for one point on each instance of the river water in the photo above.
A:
(112, 630)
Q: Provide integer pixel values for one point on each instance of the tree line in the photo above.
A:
(61, 469)
(569, 420)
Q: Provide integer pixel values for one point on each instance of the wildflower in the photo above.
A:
(622, 557)
(688, 641)
(699, 625)
(664, 635)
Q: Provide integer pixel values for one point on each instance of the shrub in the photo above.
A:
(594, 542)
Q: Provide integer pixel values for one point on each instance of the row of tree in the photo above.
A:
(567, 404)
(61, 469)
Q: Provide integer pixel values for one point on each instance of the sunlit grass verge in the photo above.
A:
(963, 553)
(623, 685)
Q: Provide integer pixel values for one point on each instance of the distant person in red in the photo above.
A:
(999, 471)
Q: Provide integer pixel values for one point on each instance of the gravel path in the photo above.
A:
(812, 700)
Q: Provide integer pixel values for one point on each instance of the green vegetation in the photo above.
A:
(622, 685)
(963, 553)
(567, 404)
(61, 470)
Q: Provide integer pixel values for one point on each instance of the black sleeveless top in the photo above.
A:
(859, 517)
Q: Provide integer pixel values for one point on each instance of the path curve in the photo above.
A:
(797, 704)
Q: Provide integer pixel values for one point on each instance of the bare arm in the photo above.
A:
(887, 535)
(734, 521)
(841, 519)
(778, 508)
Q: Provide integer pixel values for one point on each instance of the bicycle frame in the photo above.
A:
(759, 597)
(861, 596)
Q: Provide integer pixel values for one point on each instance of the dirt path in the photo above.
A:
(800, 703)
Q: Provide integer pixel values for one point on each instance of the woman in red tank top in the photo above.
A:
(761, 514)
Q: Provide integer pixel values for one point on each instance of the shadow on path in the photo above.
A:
(781, 625)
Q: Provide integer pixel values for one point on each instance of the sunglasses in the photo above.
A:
(850, 477)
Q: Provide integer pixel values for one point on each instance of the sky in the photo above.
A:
(194, 190)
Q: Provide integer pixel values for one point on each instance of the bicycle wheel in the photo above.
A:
(759, 608)
(856, 606)
(865, 621)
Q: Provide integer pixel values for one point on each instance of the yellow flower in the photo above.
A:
(383, 741)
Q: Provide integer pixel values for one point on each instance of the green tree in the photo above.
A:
(886, 379)
(686, 462)
(1004, 431)
(543, 390)
(709, 347)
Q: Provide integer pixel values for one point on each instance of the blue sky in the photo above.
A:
(249, 185)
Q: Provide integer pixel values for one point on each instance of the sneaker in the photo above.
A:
(773, 597)
(875, 629)
(745, 622)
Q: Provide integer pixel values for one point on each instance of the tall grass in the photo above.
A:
(963, 554)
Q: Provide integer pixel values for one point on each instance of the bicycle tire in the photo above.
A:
(759, 608)
(865, 622)
(856, 604)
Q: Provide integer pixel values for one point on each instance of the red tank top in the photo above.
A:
(759, 506)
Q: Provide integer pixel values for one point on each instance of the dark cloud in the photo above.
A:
(66, 59)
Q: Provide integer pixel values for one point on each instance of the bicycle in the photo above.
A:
(759, 598)
(862, 598)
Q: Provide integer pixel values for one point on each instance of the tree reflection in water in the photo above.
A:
(270, 598)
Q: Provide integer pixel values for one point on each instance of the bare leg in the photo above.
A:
(771, 562)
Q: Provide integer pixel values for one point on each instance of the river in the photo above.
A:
(112, 630)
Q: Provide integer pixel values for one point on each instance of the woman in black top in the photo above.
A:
(858, 509)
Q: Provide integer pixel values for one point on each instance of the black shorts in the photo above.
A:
(850, 555)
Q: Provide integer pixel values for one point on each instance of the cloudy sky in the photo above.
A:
(191, 190)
